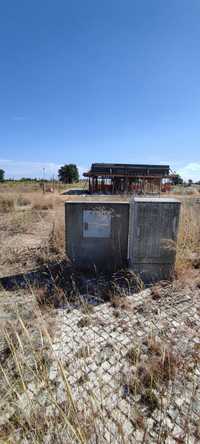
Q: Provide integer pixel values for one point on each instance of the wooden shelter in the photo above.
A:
(116, 178)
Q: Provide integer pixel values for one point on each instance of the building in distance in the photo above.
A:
(118, 178)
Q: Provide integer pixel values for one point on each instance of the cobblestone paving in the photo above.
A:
(94, 348)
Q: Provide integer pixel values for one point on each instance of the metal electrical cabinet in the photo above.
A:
(96, 234)
(153, 228)
(109, 235)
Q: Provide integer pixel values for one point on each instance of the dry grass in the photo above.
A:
(20, 187)
(133, 355)
(162, 363)
(30, 407)
(52, 249)
(31, 230)
(46, 203)
(181, 190)
(188, 248)
(37, 187)
(27, 354)
(29, 397)
(10, 201)
(151, 371)
(50, 298)
(33, 411)
(120, 302)
(22, 204)
(7, 204)
(22, 201)
(84, 322)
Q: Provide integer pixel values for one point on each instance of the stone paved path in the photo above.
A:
(95, 348)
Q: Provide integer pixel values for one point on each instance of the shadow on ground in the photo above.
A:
(75, 192)
(62, 283)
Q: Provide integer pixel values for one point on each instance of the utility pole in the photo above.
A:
(43, 180)
(53, 182)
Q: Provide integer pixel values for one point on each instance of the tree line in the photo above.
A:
(67, 173)
(2, 175)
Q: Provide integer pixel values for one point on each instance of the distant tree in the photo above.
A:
(29, 179)
(177, 180)
(68, 173)
(25, 179)
(2, 173)
(190, 182)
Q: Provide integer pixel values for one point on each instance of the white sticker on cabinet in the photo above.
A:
(96, 224)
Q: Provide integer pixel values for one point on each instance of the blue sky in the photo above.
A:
(110, 80)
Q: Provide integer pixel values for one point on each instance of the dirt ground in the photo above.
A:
(32, 224)
(28, 231)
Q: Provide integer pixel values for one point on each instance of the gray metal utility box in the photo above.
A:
(153, 228)
(96, 234)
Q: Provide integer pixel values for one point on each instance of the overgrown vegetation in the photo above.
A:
(31, 409)
(6, 204)
(29, 402)
(188, 248)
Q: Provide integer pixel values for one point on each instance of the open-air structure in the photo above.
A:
(120, 178)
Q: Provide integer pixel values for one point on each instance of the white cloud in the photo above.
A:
(17, 169)
(18, 118)
(190, 171)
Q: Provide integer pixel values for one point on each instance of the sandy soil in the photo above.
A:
(24, 238)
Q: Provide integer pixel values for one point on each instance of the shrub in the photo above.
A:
(150, 399)
(22, 201)
(43, 205)
(84, 322)
(7, 204)
(152, 373)
(133, 355)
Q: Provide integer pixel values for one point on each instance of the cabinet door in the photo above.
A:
(153, 232)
